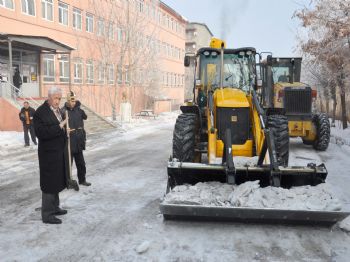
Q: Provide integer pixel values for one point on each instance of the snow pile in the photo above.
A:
(345, 224)
(339, 135)
(137, 122)
(250, 194)
(10, 140)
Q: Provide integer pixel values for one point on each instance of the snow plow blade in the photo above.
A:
(252, 215)
(180, 173)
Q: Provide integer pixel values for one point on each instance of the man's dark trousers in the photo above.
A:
(80, 164)
(29, 128)
(50, 205)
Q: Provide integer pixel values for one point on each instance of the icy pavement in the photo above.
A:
(250, 194)
(118, 219)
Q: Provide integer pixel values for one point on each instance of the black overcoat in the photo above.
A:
(76, 117)
(51, 150)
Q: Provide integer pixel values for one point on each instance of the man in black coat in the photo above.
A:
(76, 117)
(17, 81)
(26, 116)
(49, 128)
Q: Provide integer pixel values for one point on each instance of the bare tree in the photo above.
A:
(327, 42)
(127, 46)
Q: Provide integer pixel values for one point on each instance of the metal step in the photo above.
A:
(252, 215)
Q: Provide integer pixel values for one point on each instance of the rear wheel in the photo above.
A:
(278, 124)
(184, 137)
(323, 129)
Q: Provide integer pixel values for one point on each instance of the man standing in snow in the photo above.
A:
(76, 117)
(49, 128)
(26, 116)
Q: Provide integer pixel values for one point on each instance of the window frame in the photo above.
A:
(76, 79)
(110, 31)
(119, 75)
(89, 22)
(100, 30)
(101, 77)
(9, 8)
(89, 71)
(47, 78)
(75, 15)
(61, 8)
(63, 75)
(46, 3)
(27, 12)
(110, 69)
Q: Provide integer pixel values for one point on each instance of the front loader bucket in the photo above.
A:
(180, 173)
(252, 215)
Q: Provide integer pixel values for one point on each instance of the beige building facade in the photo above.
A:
(122, 50)
(198, 35)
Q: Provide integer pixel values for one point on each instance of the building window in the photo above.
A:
(127, 75)
(119, 34)
(120, 75)
(141, 6)
(100, 27)
(159, 17)
(89, 23)
(28, 7)
(77, 18)
(101, 74)
(7, 4)
(47, 9)
(49, 68)
(89, 72)
(110, 31)
(110, 69)
(78, 71)
(64, 69)
(62, 13)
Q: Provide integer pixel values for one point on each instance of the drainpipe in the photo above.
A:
(10, 62)
(70, 75)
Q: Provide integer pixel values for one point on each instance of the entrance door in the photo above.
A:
(30, 85)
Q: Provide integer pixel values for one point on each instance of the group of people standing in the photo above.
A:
(54, 127)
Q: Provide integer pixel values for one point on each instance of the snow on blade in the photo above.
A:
(250, 194)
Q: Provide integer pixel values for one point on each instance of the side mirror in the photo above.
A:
(269, 60)
(187, 61)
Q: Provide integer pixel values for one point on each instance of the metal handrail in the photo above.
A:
(11, 92)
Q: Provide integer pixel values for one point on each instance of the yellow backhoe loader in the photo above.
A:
(283, 93)
(227, 121)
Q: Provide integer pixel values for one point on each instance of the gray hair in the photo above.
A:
(54, 90)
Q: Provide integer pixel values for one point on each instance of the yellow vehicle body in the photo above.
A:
(297, 128)
(234, 98)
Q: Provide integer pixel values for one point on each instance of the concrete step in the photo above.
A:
(95, 123)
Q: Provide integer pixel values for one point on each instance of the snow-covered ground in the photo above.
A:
(118, 219)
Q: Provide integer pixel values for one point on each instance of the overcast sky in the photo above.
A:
(266, 25)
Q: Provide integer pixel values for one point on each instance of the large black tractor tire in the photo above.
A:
(278, 125)
(185, 137)
(323, 130)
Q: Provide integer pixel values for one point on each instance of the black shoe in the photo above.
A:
(61, 212)
(85, 183)
(53, 220)
(26, 145)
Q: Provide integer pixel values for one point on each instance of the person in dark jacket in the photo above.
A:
(49, 128)
(17, 81)
(26, 116)
(76, 117)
